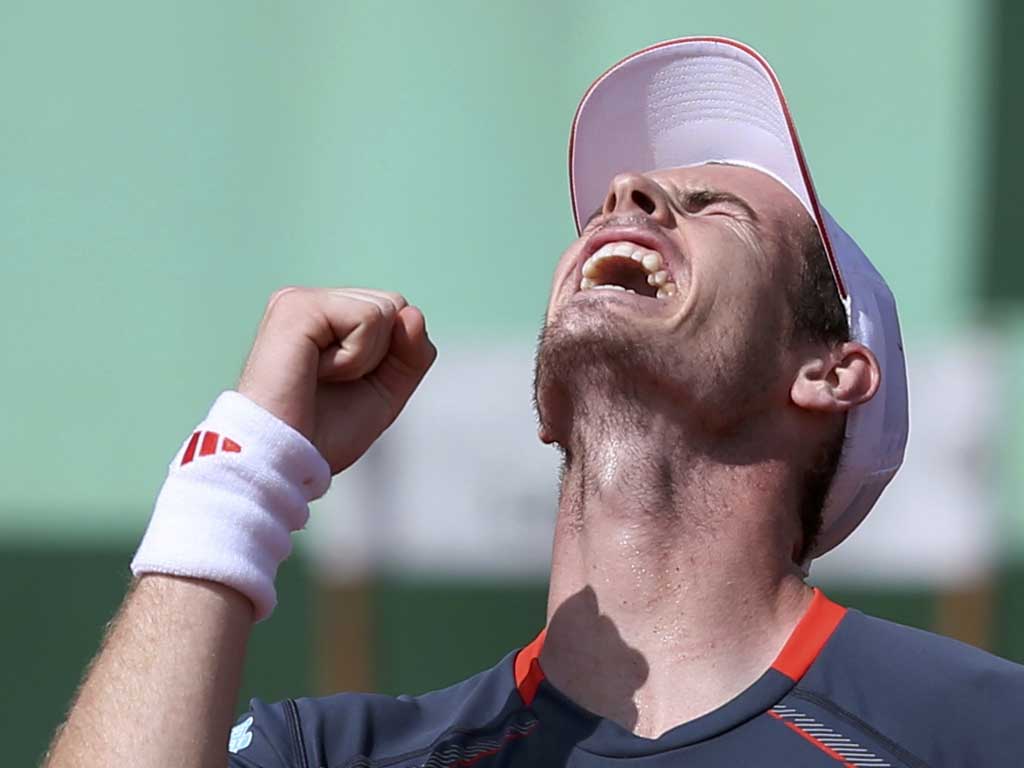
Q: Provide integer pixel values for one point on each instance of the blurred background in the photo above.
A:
(165, 166)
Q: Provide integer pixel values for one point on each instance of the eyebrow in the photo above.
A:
(698, 197)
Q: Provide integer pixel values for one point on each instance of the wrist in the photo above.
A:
(235, 491)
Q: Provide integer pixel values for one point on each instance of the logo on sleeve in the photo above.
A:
(241, 736)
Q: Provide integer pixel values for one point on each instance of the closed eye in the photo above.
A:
(699, 200)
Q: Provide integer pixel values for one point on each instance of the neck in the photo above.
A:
(672, 586)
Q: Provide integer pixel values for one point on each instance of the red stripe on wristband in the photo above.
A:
(190, 451)
(209, 443)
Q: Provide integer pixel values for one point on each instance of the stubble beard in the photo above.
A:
(593, 370)
(597, 377)
(597, 384)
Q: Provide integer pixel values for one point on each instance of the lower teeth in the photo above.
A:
(664, 291)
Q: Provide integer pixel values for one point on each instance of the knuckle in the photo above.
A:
(393, 298)
(286, 300)
(286, 296)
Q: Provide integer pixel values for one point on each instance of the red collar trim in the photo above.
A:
(527, 669)
(811, 633)
(809, 637)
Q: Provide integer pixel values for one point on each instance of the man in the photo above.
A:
(722, 369)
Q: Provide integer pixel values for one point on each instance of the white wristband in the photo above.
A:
(235, 491)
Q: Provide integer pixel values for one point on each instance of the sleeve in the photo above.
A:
(262, 738)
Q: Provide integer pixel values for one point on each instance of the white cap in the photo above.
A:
(709, 99)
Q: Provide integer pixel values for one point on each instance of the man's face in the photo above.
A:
(706, 256)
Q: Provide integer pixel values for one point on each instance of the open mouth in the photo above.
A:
(626, 266)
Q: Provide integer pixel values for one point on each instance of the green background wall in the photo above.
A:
(165, 166)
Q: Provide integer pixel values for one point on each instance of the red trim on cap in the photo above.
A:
(804, 171)
(809, 637)
(528, 673)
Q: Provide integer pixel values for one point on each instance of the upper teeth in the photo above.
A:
(650, 260)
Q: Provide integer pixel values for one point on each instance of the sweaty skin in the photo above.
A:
(683, 422)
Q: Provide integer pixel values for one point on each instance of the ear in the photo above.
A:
(837, 380)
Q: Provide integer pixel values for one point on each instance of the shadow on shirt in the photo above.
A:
(546, 732)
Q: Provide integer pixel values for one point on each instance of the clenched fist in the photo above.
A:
(338, 365)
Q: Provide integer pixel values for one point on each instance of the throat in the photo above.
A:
(653, 674)
(665, 569)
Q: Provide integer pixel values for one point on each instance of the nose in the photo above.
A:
(630, 193)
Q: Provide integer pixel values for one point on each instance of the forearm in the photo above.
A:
(329, 371)
(162, 691)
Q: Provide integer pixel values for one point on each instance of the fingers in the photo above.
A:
(311, 337)
(361, 329)
(347, 330)
(362, 321)
(410, 356)
(409, 342)
(350, 331)
(397, 300)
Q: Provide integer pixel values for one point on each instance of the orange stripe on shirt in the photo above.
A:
(809, 637)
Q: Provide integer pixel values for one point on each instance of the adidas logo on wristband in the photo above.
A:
(208, 445)
(230, 519)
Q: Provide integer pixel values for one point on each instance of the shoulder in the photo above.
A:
(934, 696)
(927, 663)
(333, 729)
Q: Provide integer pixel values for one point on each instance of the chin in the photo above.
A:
(584, 333)
(587, 354)
(580, 316)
